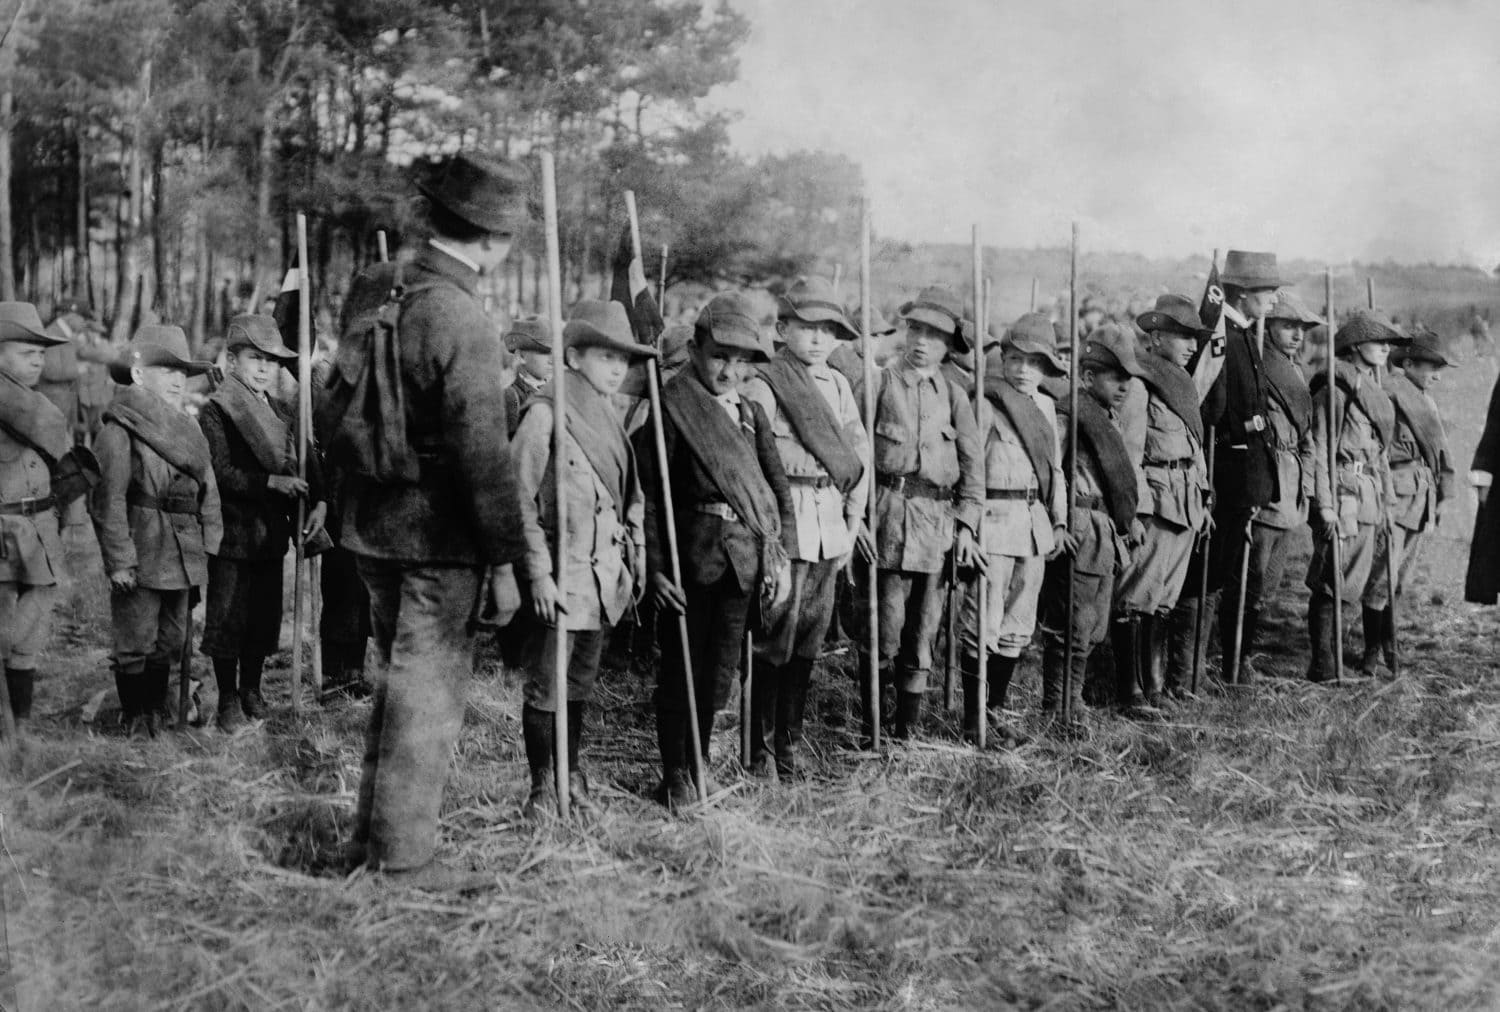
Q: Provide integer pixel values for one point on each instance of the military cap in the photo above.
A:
(1366, 326)
(20, 322)
(813, 300)
(258, 332)
(1032, 334)
(599, 324)
(156, 344)
(1111, 346)
(488, 194)
(938, 307)
(730, 319)
(1245, 269)
(1175, 313)
(1289, 306)
(1426, 346)
(529, 333)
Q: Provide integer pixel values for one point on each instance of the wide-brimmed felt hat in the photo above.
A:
(1426, 346)
(732, 320)
(488, 194)
(676, 346)
(879, 325)
(1289, 306)
(1365, 326)
(258, 332)
(938, 307)
(813, 300)
(1247, 269)
(599, 324)
(1032, 334)
(156, 344)
(1111, 346)
(20, 322)
(1176, 313)
(529, 333)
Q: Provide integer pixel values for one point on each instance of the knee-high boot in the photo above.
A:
(791, 709)
(1372, 661)
(1320, 630)
(540, 737)
(579, 794)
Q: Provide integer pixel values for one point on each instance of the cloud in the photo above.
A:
(1325, 129)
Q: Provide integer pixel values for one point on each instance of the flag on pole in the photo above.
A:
(1208, 361)
(629, 288)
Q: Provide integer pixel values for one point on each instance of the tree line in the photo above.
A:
(156, 152)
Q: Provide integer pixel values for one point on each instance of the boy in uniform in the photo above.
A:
(1025, 515)
(604, 571)
(1421, 464)
(156, 514)
(252, 441)
(1103, 516)
(36, 459)
(734, 527)
(1289, 415)
(1172, 503)
(530, 340)
(929, 474)
(1351, 503)
(820, 438)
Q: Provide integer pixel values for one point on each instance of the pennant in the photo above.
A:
(1208, 360)
(629, 288)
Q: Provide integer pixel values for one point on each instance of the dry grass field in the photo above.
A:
(1284, 847)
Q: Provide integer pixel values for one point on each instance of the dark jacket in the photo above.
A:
(1482, 584)
(708, 545)
(1245, 471)
(258, 523)
(462, 511)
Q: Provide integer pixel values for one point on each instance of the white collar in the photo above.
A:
(455, 254)
(1236, 317)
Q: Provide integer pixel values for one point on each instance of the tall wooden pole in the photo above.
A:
(1067, 672)
(380, 245)
(1392, 572)
(1335, 535)
(1205, 541)
(981, 590)
(653, 390)
(559, 458)
(1033, 294)
(304, 412)
(661, 284)
(872, 587)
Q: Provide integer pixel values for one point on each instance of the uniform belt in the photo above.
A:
(1026, 495)
(811, 480)
(1180, 464)
(1089, 502)
(912, 486)
(1354, 467)
(28, 507)
(718, 509)
(171, 504)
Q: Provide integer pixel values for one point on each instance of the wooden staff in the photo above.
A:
(559, 456)
(1335, 536)
(1205, 541)
(1067, 672)
(872, 589)
(380, 245)
(747, 686)
(1237, 644)
(304, 414)
(1033, 293)
(838, 277)
(661, 284)
(1391, 573)
(653, 390)
(981, 592)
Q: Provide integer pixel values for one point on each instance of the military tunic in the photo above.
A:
(31, 554)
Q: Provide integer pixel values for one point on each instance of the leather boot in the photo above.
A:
(1321, 632)
(791, 708)
(579, 795)
(19, 684)
(1052, 666)
(676, 790)
(157, 695)
(1182, 631)
(998, 671)
(1372, 662)
(1154, 657)
(1248, 672)
(538, 733)
(968, 670)
(1131, 663)
(765, 686)
(908, 714)
(1388, 639)
(706, 717)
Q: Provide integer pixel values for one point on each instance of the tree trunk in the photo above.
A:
(127, 300)
(164, 297)
(83, 279)
(264, 253)
(7, 224)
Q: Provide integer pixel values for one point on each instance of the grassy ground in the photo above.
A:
(1287, 847)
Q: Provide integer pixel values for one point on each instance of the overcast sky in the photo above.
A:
(1328, 129)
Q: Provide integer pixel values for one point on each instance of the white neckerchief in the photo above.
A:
(455, 254)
